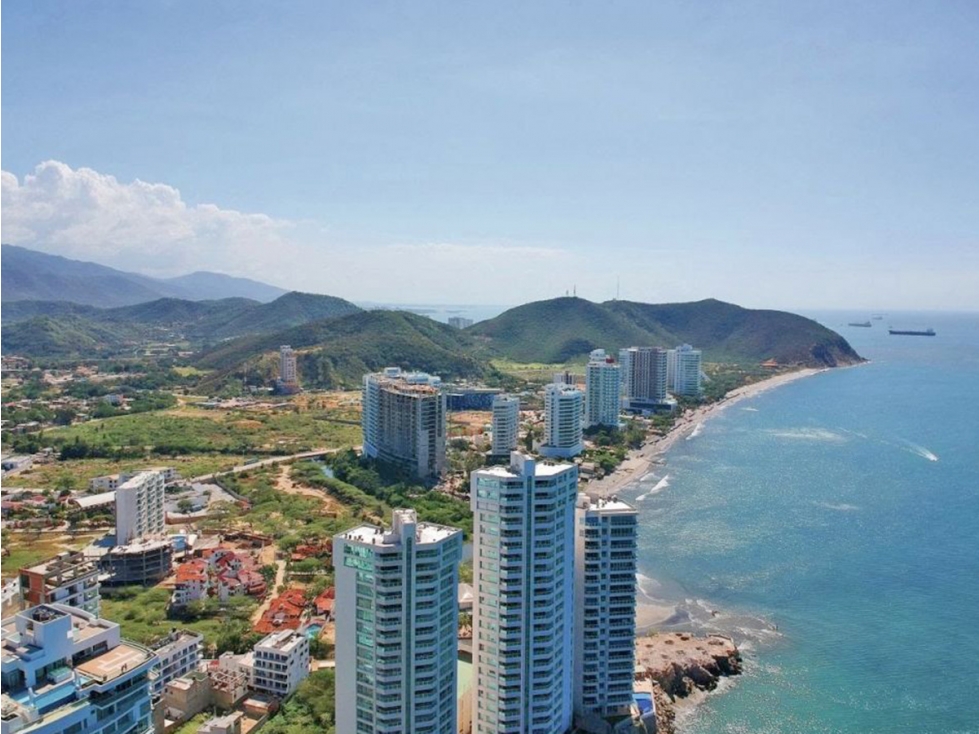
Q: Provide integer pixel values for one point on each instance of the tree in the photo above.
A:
(185, 506)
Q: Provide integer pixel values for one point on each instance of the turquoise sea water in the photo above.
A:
(842, 509)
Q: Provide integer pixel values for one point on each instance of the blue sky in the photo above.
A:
(788, 155)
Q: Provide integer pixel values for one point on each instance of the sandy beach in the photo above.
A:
(639, 461)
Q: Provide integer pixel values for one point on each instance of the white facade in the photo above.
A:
(69, 578)
(397, 616)
(605, 604)
(280, 663)
(687, 370)
(506, 424)
(602, 390)
(523, 618)
(287, 365)
(140, 507)
(563, 406)
(645, 375)
(404, 420)
(178, 654)
(45, 691)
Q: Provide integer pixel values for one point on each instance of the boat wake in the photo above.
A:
(842, 507)
(696, 431)
(751, 410)
(807, 434)
(920, 451)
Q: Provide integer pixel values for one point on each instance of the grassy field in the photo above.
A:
(27, 548)
(76, 474)
(142, 614)
(197, 430)
(539, 372)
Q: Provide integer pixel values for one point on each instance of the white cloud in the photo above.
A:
(145, 227)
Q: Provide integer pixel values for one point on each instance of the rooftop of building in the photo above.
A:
(69, 565)
(541, 469)
(137, 479)
(115, 662)
(609, 505)
(87, 501)
(425, 533)
(284, 641)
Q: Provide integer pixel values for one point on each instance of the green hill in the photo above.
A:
(66, 336)
(338, 352)
(563, 329)
(292, 309)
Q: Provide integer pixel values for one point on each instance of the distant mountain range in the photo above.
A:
(29, 275)
(60, 330)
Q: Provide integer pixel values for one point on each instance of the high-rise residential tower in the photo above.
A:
(645, 375)
(605, 605)
(602, 390)
(397, 617)
(523, 578)
(287, 365)
(562, 421)
(404, 420)
(506, 424)
(140, 507)
(687, 370)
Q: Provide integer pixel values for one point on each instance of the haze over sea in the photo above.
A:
(843, 508)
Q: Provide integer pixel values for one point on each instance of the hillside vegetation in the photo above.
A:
(564, 329)
(336, 353)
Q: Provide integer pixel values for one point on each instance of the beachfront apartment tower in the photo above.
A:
(66, 671)
(687, 371)
(506, 424)
(397, 618)
(69, 578)
(404, 420)
(605, 605)
(287, 366)
(602, 389)
(140, 507)
(523, 614)
(562, 421)
(645, 372)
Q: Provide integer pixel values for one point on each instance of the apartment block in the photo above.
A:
(69, 578)
(178, 654)
(404, 420)
(397, 615)
(523, 616)
(605, 602)
(602, 390)
(66, 671)
(687, 371)
(281, 663)
(506, 424)
(645, 383)
(140, 507)
(563, 407)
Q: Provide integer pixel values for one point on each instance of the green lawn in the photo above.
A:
(27, 549)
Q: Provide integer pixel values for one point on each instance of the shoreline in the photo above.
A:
(639, 461)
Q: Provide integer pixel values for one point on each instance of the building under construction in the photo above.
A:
(404, 420)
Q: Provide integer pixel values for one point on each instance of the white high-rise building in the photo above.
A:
(563, 406)
(523, 578)
(506, 424)
(687, 369)
(605, 605)
(140, 507)
(397, 618)
(645, 373)
(281, 662)
(602, 390)
(404, 420)
(287, 366)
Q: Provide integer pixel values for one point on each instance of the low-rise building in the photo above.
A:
(179, 654)
(281, 663)
(68, 578)
(227, 724)
(187, 696)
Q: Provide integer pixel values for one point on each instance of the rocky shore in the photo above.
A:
(677, 665)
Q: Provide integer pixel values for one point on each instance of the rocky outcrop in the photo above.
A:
(679, 664)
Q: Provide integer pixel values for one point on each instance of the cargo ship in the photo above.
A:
(911, 332)
(864, 324)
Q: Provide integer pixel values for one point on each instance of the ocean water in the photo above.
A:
(832, 527)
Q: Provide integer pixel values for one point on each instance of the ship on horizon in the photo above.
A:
(862, 324)
(911, 332)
